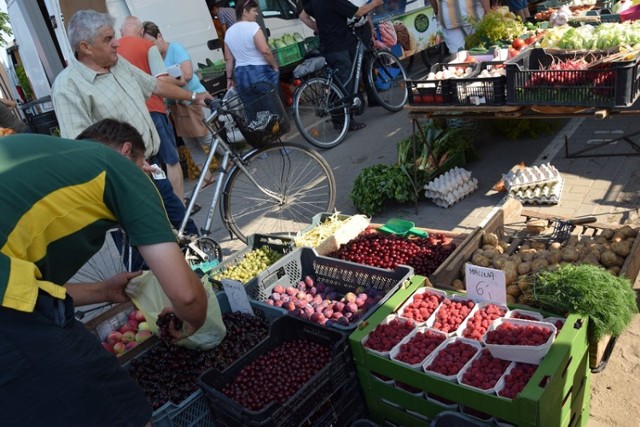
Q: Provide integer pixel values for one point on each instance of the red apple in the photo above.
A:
(143, 335)
(139, 316)
(108, 347)
(128, 336)
(119, 348)
(114, 337)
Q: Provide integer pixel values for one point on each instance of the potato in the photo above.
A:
(621, 248)
(510, 275)
(458, 284)
(555, 246)
(498, 262)
(504, 245)
(524, 247)
(517, 259)
(490, 253)
(511, 299)
(513, 290)
(478, 251)
(570, 254)
(499, 249)
(524, 268)
(555, 257)
(591, 259)
(608, 258)
(490, 239)
(510, 265)
(606, 234)
(481, 260)
(625, 231)
(541, 254)
(538, 245)
(601, 239)
(539, 264)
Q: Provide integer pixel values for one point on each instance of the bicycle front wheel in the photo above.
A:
(319, 113)
(387, 78)
(294, 184)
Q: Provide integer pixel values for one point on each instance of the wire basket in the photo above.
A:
(259, 114)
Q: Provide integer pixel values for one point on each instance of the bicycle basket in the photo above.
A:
(259, 114)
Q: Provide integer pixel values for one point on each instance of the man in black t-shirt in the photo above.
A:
(337, 42)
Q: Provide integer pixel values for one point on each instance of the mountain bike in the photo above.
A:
(322, 105)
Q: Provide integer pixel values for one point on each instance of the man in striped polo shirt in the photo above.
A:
(455, 17)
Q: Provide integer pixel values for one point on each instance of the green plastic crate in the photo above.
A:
(549, 397)
(307, 45)
(287, 55)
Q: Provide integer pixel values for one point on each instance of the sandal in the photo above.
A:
(356, 126)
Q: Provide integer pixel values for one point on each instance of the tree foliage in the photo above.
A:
(5, 28)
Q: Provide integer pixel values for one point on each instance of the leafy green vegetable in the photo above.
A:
(377, 184)
(608, 300)
(494, 27)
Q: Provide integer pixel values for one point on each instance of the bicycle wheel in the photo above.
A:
(295, 183)
(387, 78)
(316, 122)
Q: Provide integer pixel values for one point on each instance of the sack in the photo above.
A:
(308, 66)
(188, 120)
(148, 297)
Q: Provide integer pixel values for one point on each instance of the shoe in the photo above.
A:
(356, 126)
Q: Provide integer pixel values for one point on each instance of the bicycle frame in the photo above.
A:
(230, 156)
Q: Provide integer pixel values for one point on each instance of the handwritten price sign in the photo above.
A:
(485, 284)
(237, 295)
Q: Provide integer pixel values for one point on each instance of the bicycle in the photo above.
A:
(322, 105)
(275, 187)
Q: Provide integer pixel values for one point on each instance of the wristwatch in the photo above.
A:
(193, 96)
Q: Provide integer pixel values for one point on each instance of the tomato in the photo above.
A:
(513, 52)
(438, 99)
(428, 99)
(518, 44)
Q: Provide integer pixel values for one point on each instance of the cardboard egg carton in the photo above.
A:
(548, 193)
(531, 177)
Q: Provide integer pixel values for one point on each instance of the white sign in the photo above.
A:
(485, 284)
(237, 296)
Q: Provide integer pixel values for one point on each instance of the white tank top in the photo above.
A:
(239, 39)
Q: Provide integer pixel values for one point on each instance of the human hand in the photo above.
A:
(114, 286)
(200, 98)
(377, 2)
(177, 329)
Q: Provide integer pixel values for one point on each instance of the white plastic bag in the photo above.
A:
(148, 297)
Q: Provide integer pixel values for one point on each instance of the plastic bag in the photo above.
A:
(148, 297)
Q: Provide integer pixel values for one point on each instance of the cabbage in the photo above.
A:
(288, 39)
(298, 37)
(279, 43)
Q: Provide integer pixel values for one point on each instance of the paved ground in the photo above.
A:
(607, 187)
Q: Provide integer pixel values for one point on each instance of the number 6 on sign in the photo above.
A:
(485, 284)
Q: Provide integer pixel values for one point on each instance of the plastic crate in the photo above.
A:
(278, 244)
(296, 410)
(307, 45)
(477, 90)
(349, 228)
(435, 92)
(287, 55)
(606, 85)
(342, 276)
(455, 419)
(520, 353)
(557, 395)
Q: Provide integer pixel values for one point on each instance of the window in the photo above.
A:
(283, 9)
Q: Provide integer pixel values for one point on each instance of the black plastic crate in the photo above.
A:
(436, 92)
(194, 410)
(298, 408)
(342, 408)
(342, 276)
(477, 90)
(605, 85)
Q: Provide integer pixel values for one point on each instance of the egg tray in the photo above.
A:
(511, 176)
(443, 203)
(552, 199)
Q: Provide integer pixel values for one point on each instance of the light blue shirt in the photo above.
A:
(177, 54)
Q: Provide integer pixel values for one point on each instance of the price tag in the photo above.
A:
(485, 284)
(237, 296)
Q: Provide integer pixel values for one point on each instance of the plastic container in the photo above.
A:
(442, 402)
(605, 85)
(443, 346)
(421, 291)
(295, 410)
(396, 349)
(307, 45)
(502, 382)
(466, 367)
(521, 353)
(520, 312)
(259, 114)
(280, 244)
(454, 298)
(555, 321)
(342, 276)
(418, 415)
(350, 227)
(477, 415)
(388, 319)
(479, 306)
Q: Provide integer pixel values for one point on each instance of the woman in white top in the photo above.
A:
(246, 53)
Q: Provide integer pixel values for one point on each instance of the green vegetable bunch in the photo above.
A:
(377, 184)
(608, 300)
(494, 28)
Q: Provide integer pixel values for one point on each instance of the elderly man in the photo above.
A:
(59, 198)
(98, 84)
(145, 55)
